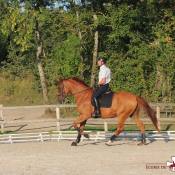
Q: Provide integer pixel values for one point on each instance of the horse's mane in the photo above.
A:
(79, 81)
(74, 79)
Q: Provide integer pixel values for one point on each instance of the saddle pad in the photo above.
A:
(105, 101)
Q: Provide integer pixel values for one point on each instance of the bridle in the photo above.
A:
(62, 94)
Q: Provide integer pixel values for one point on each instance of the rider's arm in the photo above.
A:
(102, 81)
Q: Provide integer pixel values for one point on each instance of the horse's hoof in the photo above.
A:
(74, 144)
(86, 135)
(109, 143)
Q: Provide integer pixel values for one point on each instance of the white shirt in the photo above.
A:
(105, 72)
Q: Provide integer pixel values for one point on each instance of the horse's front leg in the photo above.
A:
(80, 133)
(79, 125)
(78, 139)
(82, 126)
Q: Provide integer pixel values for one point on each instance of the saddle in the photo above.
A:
(105, 100)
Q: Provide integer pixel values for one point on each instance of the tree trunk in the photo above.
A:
(161, 82)
(95, 53)
(81, 48)
(40, 53)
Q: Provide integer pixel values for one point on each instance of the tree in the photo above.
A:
(137, 37)
(25, 23)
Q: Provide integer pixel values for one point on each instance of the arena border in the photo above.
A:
(71, 135)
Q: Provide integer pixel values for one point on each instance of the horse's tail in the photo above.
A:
(150, 112)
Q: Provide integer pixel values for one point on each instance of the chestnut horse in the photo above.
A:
(124, 105)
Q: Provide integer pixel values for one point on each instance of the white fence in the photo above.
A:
(57, 120)
(71, 135)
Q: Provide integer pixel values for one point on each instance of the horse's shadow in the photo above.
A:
(115, 143)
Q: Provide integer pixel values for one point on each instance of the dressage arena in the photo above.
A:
(89, 158)
(50, 153)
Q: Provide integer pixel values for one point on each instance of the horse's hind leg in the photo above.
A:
(141, 126)
(120, 127)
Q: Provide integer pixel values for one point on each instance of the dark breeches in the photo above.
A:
(100, 91)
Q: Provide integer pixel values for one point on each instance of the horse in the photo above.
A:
(124, 105)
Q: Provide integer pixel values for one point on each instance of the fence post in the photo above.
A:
(105, 126)
(158, 115)
(2, 118)
(58, 118)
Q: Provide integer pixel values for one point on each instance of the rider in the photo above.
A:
(104, 78)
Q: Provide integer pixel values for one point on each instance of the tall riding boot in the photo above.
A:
(96, 113)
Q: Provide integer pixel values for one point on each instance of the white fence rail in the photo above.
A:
(4, 120)
(71, 135)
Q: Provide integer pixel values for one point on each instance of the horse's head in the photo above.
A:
(63, 90)
(71, 86)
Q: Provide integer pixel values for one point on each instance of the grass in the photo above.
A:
(8, 132)
(150, 127)
(130, 128)
(20, 92)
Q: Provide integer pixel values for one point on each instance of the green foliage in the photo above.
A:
(136, 53)
(21, 24)
(137, 38)
(65, 60)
